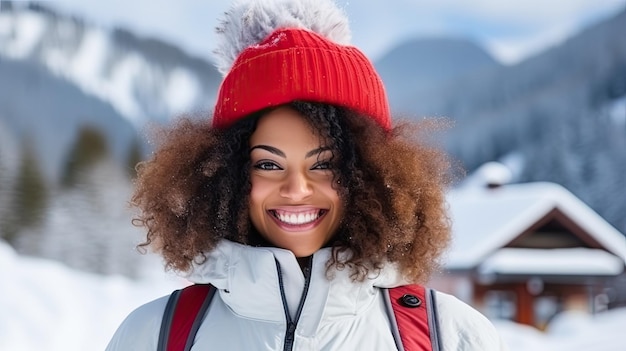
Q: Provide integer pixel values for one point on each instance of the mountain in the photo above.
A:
(559, 115)
(144, 79)
(60, 73)
(427, 63)
(47, 112)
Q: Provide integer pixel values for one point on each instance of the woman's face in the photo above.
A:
(292, 202)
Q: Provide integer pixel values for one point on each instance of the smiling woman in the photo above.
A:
(299, 202)
(293, 203)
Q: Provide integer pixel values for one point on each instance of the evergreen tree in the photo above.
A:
(29, 197)
(4, 196)
(89, 223)
(135, 155)
(89, 148)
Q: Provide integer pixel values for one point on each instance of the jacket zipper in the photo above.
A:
(291, 323)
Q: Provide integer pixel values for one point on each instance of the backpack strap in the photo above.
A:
(433, 320)
(183, 315)
(411, 310)
(412, 313)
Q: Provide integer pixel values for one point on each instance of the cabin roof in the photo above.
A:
(485, 220)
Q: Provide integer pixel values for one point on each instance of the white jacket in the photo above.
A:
(248, 313)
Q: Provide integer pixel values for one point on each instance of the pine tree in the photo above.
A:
(89, 222)
(29, 197)
(135, 155)
(89, 148)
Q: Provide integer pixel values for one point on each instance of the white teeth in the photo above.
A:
(297, 219)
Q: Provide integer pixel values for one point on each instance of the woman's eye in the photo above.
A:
(323, 165)
(266, 166)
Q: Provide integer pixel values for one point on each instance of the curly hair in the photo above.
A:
(195, 190)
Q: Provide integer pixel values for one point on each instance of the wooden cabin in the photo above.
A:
(525, 252)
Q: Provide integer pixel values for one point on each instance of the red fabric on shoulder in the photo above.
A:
(412, 321)
(187, 308)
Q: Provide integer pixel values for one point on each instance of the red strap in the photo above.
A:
(409, 303)
(412, 321)
(188, 306)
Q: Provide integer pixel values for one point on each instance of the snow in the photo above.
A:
(485, 220)
(119, 87)
(47, 306)
(88, 68)
(492, 173)
(569, 331)
(182, 89)
(617, 112)
(574, 261)
(27, 30)
(89, 62)
(138, 86)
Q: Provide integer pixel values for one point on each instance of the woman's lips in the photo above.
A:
(297, 220)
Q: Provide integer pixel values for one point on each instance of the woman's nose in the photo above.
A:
(296, 187)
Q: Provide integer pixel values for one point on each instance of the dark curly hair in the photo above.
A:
(194, 192)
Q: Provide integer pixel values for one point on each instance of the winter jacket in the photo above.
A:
(263, 291)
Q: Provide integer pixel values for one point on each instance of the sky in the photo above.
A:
(509, 30)
(47, 306)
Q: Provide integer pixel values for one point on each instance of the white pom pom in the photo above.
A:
(250, 21)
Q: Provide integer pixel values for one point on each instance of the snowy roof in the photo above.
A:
(485, 220)
(576, 261)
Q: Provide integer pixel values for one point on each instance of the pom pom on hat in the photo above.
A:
(277, 51)
(249, 22)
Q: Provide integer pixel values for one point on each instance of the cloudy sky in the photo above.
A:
(510, 30)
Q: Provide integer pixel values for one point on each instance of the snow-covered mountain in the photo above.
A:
(559, 115)
(46, 112)
(143, 79)
(586, 74)
(60, 73)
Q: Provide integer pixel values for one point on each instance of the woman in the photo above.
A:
(299, 201)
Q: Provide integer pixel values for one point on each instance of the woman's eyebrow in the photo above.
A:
(316, 151)
(271, 149)
(278, 152)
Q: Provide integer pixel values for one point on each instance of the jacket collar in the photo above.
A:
(247, 280)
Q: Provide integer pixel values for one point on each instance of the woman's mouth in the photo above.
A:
(299, 218)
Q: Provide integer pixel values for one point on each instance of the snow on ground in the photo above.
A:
(47, 306)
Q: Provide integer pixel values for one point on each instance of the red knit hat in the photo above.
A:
(299, 64)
